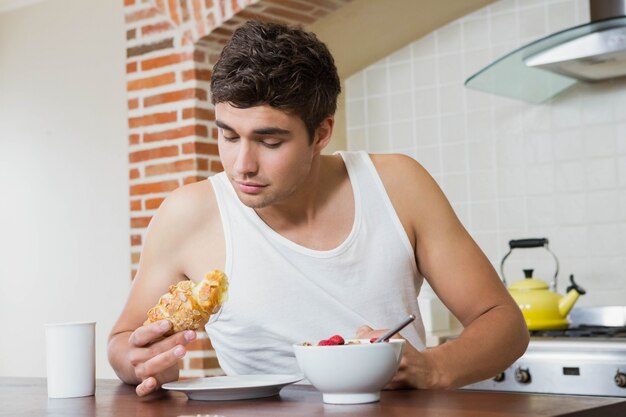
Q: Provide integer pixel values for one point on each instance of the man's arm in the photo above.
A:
(139, 354)
(495, 333)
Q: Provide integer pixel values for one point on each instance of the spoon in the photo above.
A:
(395, 329)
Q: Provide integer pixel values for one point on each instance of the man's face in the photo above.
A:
(265, 152)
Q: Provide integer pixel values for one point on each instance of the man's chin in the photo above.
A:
(254, 202)
(255, 205)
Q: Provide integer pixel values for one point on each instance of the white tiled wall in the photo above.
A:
(510, 169)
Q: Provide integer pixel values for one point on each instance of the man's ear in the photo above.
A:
(323, 133)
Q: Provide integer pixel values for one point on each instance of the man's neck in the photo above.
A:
(311, 209)
(301, 207)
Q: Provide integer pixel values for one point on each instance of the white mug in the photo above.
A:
(71, 359)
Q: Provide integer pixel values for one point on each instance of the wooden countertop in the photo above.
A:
(28, 397)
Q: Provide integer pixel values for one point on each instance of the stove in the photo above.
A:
(588, 358)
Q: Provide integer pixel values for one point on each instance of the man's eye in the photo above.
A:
(230, 139)
(271, 144)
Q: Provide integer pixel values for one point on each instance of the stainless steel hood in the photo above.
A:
(592, 52)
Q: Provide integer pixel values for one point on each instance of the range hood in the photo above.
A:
(592, 52)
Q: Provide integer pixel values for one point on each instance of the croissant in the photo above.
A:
(188, 305)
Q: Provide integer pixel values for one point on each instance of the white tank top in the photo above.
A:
(283, 293)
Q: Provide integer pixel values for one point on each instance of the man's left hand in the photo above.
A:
(415, 370)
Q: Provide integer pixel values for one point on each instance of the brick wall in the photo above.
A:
(171, 48)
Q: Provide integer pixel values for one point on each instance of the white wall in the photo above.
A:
(511, 170)
(64, 215)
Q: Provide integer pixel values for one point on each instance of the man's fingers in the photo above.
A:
(363, 331)
(366, 332)
(397, 383)
(180, 338)
(148, 386)
(160, 362)
(147, 334)
(140, 355)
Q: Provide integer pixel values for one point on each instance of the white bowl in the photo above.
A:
(350, 374)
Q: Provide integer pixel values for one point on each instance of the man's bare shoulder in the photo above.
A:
(184, 221)
(415, 195)
(188, 207)
(398, 171)
(191, 199)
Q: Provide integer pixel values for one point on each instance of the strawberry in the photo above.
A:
(325, 343)
(373, 339)
(336, 340)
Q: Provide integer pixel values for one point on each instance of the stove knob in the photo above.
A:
(620, 379)
(499, 377)
(522, 376)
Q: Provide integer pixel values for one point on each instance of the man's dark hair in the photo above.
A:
(281, 66)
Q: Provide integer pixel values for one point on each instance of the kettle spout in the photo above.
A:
(568, 300)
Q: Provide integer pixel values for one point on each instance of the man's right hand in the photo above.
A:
(155, 359)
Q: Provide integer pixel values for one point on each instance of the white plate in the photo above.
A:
(239, 387)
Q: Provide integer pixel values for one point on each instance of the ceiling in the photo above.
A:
(364, 31)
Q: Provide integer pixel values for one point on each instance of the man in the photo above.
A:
(313, 244)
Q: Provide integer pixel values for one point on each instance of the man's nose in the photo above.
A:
(246, 162)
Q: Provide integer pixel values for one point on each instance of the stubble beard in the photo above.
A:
(266, 200)
(256, 201)
(272, 196)
(253, 204)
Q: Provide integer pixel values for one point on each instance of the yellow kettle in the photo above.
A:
(542, 308)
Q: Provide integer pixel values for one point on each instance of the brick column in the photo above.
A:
(171, 48)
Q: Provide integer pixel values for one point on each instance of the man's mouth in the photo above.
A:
(250, 187)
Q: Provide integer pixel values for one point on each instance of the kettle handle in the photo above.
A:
(530, 243)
